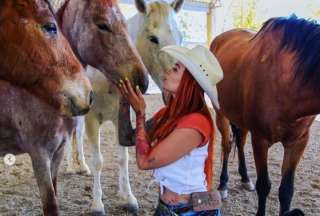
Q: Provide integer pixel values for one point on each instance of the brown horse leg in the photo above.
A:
(240, 139)
(292, 154)
(223, 126)
(263, 184)
(55, 163)
(41, 166)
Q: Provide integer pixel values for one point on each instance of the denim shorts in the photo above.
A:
(170, 210)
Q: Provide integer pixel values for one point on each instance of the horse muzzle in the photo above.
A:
(78, 110)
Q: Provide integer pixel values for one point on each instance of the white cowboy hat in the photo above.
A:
(203, 66)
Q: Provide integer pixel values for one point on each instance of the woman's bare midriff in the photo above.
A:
(172, 198)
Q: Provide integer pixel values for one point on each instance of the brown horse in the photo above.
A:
(270, 88)
(41, 86)
(29, 31)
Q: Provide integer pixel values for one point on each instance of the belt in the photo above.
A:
(178, 210)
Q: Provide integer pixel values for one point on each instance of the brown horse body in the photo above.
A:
(41, 86)
(268, 91)
(28, 125)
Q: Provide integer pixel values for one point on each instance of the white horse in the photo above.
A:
(154, 27)
(157, 27)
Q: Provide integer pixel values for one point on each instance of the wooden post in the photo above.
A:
(209, 26)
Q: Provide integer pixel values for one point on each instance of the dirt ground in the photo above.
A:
(19, 193)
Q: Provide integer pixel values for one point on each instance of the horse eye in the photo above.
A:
(104, 27)
(154, 39)
(50, 28)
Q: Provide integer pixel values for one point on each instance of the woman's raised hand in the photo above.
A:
(133, 96)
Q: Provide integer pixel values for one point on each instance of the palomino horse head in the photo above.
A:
(98, 33)
(35, 55)
(154, 27)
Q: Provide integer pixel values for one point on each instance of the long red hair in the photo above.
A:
(189, 99)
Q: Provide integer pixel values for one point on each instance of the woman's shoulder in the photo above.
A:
(196, 121)
(195, 118)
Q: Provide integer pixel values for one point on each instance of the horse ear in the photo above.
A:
(141, 5)
(177, 5)
(60, 13)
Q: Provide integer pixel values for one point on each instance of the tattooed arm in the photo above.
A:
(142, 146)
(148, 126)
(176, 145)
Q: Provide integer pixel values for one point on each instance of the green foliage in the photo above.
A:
(314, 6)
(244, 15)
(316, 14)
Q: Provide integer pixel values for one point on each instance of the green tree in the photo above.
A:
(244, 15)
(314, 6)
(316, 14)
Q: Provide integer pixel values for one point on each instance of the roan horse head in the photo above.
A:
(154, 27)
(35, 55)
(98, 34)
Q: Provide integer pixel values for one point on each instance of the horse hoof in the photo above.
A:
(294, 212)
(71, 171)
(249, 186)
(131, 208)
(224, 194)
(98, 213)
(84, 172)
(129, 203)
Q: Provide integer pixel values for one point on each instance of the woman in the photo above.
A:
(179, 146)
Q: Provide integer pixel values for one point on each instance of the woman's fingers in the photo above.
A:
(129, 87)
(123, 92)
(124, 87)
(140, 95)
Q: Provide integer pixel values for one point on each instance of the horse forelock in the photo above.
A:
(302, 37)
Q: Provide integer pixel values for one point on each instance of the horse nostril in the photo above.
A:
(143, 83)
(91, 97)
(75, 109)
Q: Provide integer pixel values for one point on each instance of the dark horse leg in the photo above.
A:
(263, 184)
(223, 126)
(240, 140)
(55, 164)
(41, 165)
(292, 154)
(125, 131)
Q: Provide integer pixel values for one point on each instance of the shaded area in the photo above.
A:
(19, 193)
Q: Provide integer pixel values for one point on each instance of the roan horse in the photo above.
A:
(162, 34)
(271, 88)
(41, 86)
(98, 34)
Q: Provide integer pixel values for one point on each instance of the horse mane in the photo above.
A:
(302, 37)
